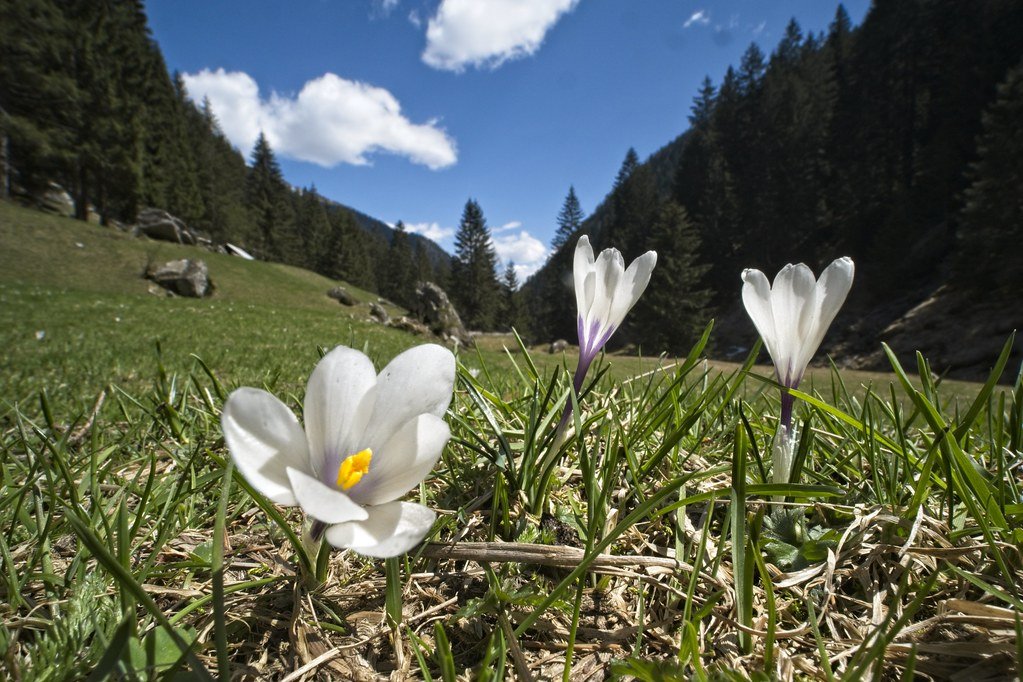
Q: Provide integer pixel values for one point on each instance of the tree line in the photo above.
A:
(86, 102)
(895, 142)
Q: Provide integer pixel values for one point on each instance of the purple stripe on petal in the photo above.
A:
(331, 465)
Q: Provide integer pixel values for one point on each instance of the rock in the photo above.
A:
(156, 223)
(558, 346)
(377, 312)
(57, 200)
(407, 324)
(185, 277)
(341, 295)
(432, 306)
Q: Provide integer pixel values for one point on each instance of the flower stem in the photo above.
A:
(787, 400)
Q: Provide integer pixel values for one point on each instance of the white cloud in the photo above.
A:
(487, 33)
(432, 231)
(332, 120)
(759, 28)
(385, 7)
(413, 18)
(528, 252)
(513, 225)
(700, 17)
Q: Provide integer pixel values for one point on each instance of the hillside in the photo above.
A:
(895, 143)
(76, 314)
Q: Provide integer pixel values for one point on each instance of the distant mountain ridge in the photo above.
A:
(434, 252)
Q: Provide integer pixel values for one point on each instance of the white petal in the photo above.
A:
(756, 296)
(323, 502)
(405, 460)
(829, 295)
(792, 301)
(336, 389)
(264, 439)
(631, 287)
(582, 269)
(391, 529)
(610, 268)
(419, 381)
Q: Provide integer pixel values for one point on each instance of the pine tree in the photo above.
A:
(992, 220)
(401, 270)
(269, 204)
(674, 308)
(511, 303)
(423, 268)
(314, 231)
(629, 164)
(38, 93)
(473, 271)
(570, 219)
(634, 203)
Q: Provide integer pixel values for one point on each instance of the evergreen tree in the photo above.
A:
(473, 272)
(314, 232)
(674, 308)
(511, 303)
(634, 203)
(992, 220)
(221, 177)
(38, 93)
(269, 204)
(570, 219)
(629, 164)
(400, 270)
(423, 268)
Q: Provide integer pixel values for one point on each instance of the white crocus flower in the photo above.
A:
(605, 291)
(367, 441)
(792, 316)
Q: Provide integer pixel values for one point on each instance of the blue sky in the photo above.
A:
(404, 109)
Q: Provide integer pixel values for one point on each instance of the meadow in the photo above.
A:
(650, 544)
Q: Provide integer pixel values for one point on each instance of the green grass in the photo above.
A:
(129, 550)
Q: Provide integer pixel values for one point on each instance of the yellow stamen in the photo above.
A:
(353, 468)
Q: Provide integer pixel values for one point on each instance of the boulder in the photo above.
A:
(185, 277)
(57, 200)
(432, 306)
(407, 324)
(156, 223)
(341, 295)
(377, 312)
(558, 346)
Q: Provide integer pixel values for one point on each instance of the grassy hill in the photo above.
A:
(76, 313)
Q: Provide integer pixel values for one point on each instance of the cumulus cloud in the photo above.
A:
(487, 33)
(528, 252)
(332, 120)
(699, 17)
(513, 225)
(432, 231)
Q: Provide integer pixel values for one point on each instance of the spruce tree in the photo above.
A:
(634, 203)
(269, 204)
(473, 271)
(400, 270)
(991, 228)
(570, 219)
(314, 231)
(674, 308)
(511, 302)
